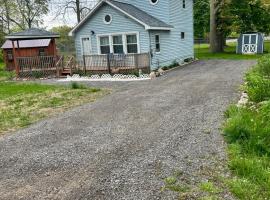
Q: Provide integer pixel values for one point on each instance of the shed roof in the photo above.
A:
(32, 33)
(148, 21)
(27, 43)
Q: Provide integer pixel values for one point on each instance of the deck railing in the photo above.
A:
(37, 66)
(114, 63)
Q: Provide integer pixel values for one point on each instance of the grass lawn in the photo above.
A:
(202, 52)
(22, 104)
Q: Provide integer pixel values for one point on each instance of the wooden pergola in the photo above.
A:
(30, 34)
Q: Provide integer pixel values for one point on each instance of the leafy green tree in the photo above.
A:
(201, 18)
(250, 15)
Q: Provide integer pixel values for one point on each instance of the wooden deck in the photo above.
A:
(44, 66)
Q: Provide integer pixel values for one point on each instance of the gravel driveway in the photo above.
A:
(124, 145)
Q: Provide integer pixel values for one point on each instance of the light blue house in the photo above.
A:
(163, 29)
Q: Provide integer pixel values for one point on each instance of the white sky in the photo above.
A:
(51, 20)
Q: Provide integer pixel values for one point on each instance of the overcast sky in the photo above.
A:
(51, 20)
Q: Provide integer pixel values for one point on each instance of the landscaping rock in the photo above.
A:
(153, 75)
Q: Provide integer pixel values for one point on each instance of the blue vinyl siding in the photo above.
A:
(120, 23)
(173, 48)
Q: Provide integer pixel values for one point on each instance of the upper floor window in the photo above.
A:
(153, 2)
(157, 43)
(107, 19)
(184, 3)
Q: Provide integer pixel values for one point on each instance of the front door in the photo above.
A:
(86, 46)
(249, 43)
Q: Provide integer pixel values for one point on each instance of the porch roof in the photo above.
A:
(148, 21)
(27, 43)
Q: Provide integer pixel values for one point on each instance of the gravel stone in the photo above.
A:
(124, 145)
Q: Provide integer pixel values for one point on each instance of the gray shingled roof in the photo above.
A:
(137, 14)
(140, 15)
(32, 33)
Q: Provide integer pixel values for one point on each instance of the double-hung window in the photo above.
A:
(104, 45)
(157, 43)
(118, 46)
(132, 44)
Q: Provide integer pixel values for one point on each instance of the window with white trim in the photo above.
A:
(153, 2)
(107, 19)
(104, 45)
(132, 43)
(184, 3)
(157, 43)
(118, 46)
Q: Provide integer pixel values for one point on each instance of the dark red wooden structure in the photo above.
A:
(29, 44)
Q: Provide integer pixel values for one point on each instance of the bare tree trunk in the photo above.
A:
(216, 37)
(78, 11)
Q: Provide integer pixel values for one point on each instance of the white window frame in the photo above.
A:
(153, 3)
(105, 20)
(81, 40)
(157, 52)
(124, 38)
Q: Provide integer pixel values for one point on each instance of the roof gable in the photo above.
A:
(143, 18)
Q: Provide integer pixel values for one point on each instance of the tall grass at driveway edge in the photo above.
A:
(247, 131)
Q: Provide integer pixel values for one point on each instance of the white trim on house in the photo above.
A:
(152, 3)
(147, 27)
(124, 38)
(104, 20)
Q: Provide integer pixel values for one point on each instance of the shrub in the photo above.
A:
(75, 85)
(1, 56)
(257, 86)
(263, 66)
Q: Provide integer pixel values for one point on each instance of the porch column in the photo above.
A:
(15, 59)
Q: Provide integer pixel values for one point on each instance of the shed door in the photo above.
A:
(86, 46)
(250, 43)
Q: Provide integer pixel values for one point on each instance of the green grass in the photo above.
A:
(247, 130)
(22, 104)
(202, 52)
(5, 75)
